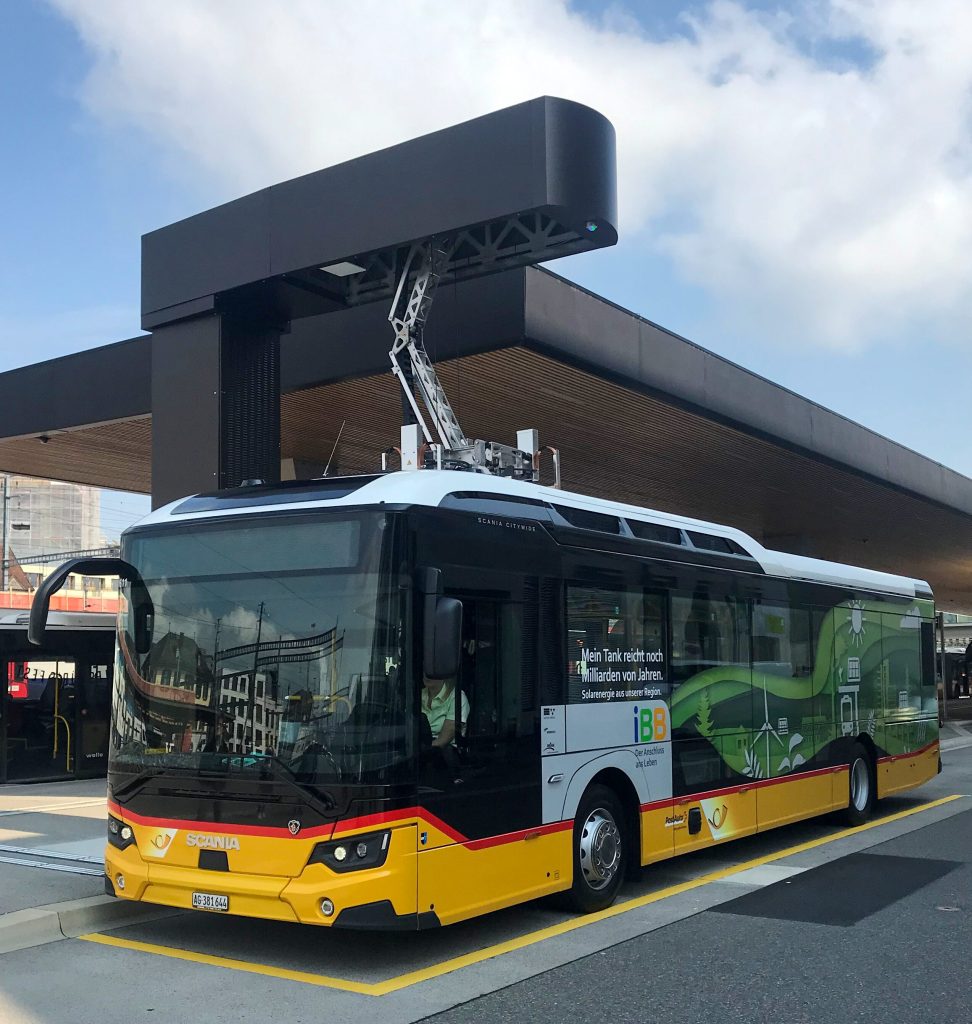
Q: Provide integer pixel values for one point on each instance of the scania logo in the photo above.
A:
(294, 826)
(212, 842)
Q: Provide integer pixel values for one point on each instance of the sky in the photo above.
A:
(795, 179)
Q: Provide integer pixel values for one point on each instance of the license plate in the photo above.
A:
(209, 901)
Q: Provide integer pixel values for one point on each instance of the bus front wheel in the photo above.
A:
(600, 850)
(860, 800)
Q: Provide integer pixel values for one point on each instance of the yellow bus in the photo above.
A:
(403, 700)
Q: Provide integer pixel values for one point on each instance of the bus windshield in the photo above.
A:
(265, 644)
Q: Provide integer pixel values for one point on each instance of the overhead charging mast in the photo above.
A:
(444, 445)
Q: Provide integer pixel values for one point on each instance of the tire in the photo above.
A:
(600, 851)
(861, 787)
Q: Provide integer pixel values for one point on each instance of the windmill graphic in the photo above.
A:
(767, 733)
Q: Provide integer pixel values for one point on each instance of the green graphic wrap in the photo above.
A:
(770, 719)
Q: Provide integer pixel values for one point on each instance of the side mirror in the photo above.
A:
(40, 606)
(443, 640)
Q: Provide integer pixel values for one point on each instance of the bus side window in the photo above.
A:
(707, 632)
(615, 642)
(783, 641)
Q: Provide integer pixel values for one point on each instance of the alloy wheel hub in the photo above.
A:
(600, 848)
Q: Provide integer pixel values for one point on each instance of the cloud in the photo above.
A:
(810, 169)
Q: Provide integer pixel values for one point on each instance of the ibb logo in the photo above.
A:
(650, 725)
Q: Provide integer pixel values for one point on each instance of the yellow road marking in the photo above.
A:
(361, 988)
(396, 984)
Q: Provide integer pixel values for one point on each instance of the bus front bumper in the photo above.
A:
(382, 898)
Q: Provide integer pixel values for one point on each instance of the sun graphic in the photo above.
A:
(856, 624)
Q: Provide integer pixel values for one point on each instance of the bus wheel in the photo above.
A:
(860, 801)
(600, 850)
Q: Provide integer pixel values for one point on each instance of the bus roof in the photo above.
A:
(431, 488)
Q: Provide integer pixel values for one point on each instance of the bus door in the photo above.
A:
(484, 787)
(93, 713)
(790, 662)
(715, 770)
(38, 718)
(617, 689)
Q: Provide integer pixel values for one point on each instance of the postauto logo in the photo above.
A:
(650, 725)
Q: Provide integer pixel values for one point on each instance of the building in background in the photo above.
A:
(46, 521)
(46, 516)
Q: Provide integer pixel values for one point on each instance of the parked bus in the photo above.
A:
(401, 701)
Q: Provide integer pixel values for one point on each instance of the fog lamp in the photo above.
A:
(361, 849)
(327, 907)
(120, 881)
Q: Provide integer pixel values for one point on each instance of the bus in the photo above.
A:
(403, 700)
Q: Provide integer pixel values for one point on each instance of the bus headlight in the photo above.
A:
(120, 835)
(353, 854)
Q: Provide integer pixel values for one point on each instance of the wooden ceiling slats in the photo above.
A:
(615, 443)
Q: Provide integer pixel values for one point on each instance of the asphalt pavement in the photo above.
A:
(881, 936)
(810, 922)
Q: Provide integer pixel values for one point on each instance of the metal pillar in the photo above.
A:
(249, 402)
(215, 405)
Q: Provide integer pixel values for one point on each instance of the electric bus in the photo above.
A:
(403, 700)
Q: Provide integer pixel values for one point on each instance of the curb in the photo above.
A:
(55, 921)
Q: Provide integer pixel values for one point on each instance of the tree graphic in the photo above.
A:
(704, 718)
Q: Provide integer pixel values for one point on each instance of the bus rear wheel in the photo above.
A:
(600, 851)
(860, 799)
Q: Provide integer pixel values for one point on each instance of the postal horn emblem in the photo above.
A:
(294, 826)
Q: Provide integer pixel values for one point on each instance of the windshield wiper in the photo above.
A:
(284, 773)
(143, 776)
(269, 766)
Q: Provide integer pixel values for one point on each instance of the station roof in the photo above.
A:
(512, 188)
(640, 416)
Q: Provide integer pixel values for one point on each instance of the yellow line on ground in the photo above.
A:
(402, 981)
(414, 977)
(360, 988)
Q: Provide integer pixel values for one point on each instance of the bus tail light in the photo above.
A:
(17, 691)
(354, 853)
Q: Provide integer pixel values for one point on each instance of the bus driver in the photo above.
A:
(439, 707)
